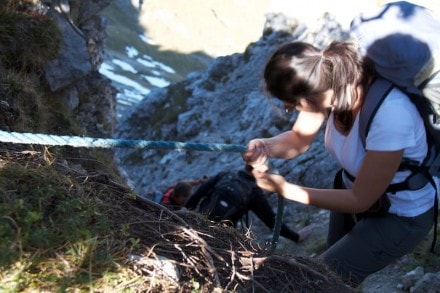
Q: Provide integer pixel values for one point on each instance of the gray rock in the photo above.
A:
(429, 283)
(225, 103)
(412, 277)
(73, 62)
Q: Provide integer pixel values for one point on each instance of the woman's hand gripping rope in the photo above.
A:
(257, 155)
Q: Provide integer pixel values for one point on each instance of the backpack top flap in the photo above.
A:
(400, 39)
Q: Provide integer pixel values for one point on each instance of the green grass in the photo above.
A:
(55, 228)
(60, 230)
(27, 40)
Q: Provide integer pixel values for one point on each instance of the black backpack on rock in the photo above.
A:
(228, 198)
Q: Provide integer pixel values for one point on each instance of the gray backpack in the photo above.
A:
(403, 41)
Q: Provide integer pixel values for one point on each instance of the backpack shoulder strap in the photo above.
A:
(376, 94)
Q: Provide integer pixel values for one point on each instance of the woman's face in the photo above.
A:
(321, 103)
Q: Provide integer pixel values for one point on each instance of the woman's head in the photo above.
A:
(298, 71)
(293, 72)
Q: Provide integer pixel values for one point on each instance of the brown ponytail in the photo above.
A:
(299, 70)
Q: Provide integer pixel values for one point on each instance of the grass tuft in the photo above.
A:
(27, 40)
(56, 227)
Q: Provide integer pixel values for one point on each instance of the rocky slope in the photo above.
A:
(223, 104)
(226, 104)
(69, 223)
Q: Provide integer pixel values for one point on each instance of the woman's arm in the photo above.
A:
(289, 144)
(374, 177)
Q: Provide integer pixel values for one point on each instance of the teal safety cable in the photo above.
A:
(279, 217)
(278, 223)
(77, 141)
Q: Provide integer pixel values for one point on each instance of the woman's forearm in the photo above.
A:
(286, 145)
(339, 200)
(290, 144)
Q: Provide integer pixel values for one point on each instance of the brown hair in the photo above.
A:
(182, 189)
(300, 70)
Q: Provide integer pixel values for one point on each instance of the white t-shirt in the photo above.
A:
(396, 125)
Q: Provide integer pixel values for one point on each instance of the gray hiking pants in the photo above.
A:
(372, 243)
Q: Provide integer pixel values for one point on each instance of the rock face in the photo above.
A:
(73, 76)
(225, 103)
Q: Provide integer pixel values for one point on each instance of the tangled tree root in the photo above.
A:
(216, 257)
